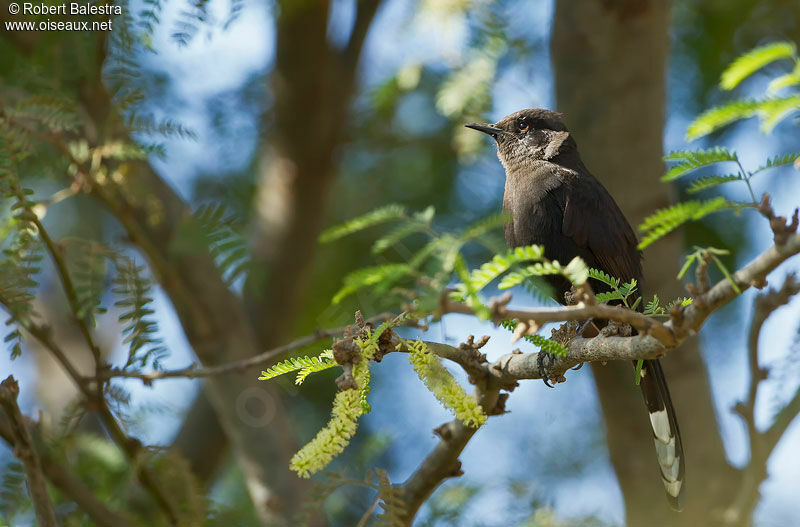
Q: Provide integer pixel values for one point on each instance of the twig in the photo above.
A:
(442, 462)
(25, 450)
(131, 448)
(370, 511)
(193, 372)
(72, 487)
(761, 445)
(365, 12)
(645, 324)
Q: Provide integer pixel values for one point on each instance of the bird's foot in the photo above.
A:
(616, 329)
(544, 361)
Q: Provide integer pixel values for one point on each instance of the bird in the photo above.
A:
(551, 199)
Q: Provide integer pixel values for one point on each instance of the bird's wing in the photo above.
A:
(594, 221)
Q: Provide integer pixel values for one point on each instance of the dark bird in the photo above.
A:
(553, 200)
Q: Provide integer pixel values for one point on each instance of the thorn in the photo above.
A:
(443, 432)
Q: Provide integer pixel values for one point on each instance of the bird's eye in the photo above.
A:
(523, 125)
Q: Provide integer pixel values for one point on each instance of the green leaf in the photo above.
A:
(707, 182)
(780, 160)
(323, 362)
(784, 81)
(400, 232)
(681, 300)
(225, 244)
(719, 116)
(538, 269)
(607, 297)
(385, 275)
(653, 307)
(603, 277)
(484, 225)
(627, 289)
(546, 345)
(576, 271)
(375, 217)
(753, 60)
(306, 365)
(773, 111)
(692, 160)
(133, 290)
(481, 277)
(664, 221)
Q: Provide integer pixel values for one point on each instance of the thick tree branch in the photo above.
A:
(25, 451)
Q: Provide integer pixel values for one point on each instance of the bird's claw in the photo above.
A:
(543, 362)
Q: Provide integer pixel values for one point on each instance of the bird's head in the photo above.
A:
(528, 135)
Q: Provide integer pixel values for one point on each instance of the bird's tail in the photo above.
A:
(666, 435)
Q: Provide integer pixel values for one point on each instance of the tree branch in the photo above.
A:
(655, 340)
(72, 487)
(761, 445)
(25, 450)
(365, 13)
(193, 372)
(129, 447)
(442, 462)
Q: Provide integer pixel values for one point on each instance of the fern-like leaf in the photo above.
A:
(755, 59)
(666, 220)
(303, 365)
(692, 160)
(548, 346)
(719, 116)
(140, 330)
(370, 219)
(391, 501)
(653, 307)
(226, 245)
(604, 277)
(500, 263)
(483, 226)
(707, 182)
(14, 499)
(382, 276)
(773, 111)
(419, 222)
(538, 269)
(53, 113)
(780, 160)
(89, 268)
(683, 301)
(21, 262)
(784, 81)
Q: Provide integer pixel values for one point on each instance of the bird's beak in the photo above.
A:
(485, 128)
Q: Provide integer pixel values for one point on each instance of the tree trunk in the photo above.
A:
(610, 61)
